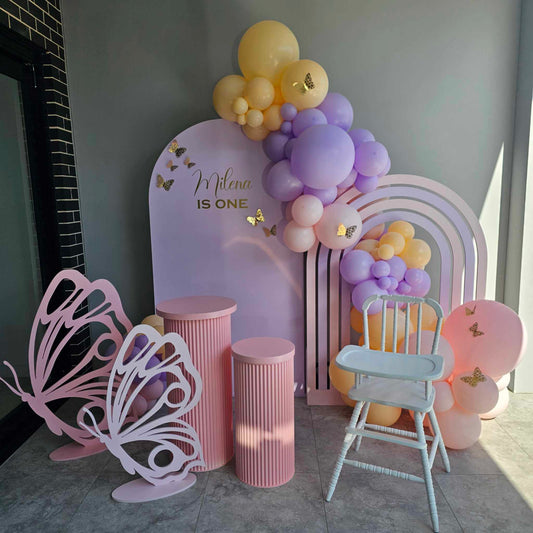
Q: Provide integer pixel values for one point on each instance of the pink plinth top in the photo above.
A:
(196, 307)
(263, 350)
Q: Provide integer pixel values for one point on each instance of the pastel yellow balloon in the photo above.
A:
(304, 84)
(272, 118)
(395, 239)
(374, 330)
(347, 400)
(383, 415)
(385, 251)
(153, 320)
(278, 97)
(255, 134)
(254, 118)
(375, 232)
(429, 317)
(241, 120)
(240, 106)
(226, 91)
(259, 93)
(416, 253)
(356, 320)
(266, 49)
(368, 245)
(403, 228)
(342, 380)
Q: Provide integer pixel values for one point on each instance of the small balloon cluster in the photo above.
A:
(284, 102)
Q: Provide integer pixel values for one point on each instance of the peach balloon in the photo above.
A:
(342, 380)
(475, 392)
(374, 330)
(403, 228)
(272, 118)
(499, 408)
(416, 253)
(396, 240)
(443, 396)
(328, 227)
(295, 86)
(347, 400)
(375, 232)
(298, 238)
(385, 251)
(278, 97)
(259, 93)
(460, 429)
(255, 134)
(425, 420)
(368, 245)
(153, 391)
(383, 415)
(429, 317)
(307, 210)
(226, 91)
(356, 320)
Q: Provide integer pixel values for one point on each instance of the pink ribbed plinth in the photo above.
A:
(264, 411)
(204, 322)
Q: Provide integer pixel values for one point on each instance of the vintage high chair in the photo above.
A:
(394, 379)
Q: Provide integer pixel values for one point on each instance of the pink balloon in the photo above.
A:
(500, 407)
(153, 391)
(349, 181)
(460, 429)
(443, 396)
(503, 382)
(139, 406)
(485, 334)
(307, 210)
(476, 396)
(298, 238)
(328, 226)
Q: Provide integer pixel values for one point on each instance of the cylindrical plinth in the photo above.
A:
(204, 322)
(264, 411)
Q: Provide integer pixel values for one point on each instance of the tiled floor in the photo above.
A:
(490, 487)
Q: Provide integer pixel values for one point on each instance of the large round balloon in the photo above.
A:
(364, 290)
(485, 334)
(341, 379)
(374, 330)
(266, 49)
(322, 156)
(307, 118)
(443, 396)
(429, 317)
(339, 227)
(226, 91)
(416, 253)
(475, 392)
(459, 428)
(356, 266)
(304, 84)
(370, 158)
(282, 184)
(259, 93)
(338, 110)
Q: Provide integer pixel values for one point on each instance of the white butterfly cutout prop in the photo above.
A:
(62, 313)
(173, 439)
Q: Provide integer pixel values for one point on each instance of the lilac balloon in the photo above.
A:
(397, 267)
(419, 281)
(380, 269)
(385, 171)
(366, 184)
(264, 174)
(370, 158)
(338, 110)
(288, 111)
(307, 118)
(360, 136)
(274, 146)
(153, 361)
(349, 181)
(393, 283)
(288, 148)
(281, 184)
(141, 341)
(356, 266)
(362, 291)
(322, 156)
(326, 196)
(384, 283)
(286, 127)
(280, 228)
(404, 287)
(134, 352)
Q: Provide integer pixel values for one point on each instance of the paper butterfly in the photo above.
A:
(258, 218)
(189, 163)
(469, 311)
(161, 183)
(476, 377)
(342, 231)
(307, 84)
(272, 231)
(175, 148)
(161, 425)
(474, 329)
(59, 318)
(171, 166)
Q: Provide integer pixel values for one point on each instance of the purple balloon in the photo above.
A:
(370, 158)
(338, 110)
(393, 283)
(326, 196)
(153, 361)
(136, 350)
(360, 136)
(419, 281)
(385, 171)
(356, 266)
(362, 291)
(307, 118)
(280, 228)
(274, 146)
(281, 184)
(286, 127)
(288, 148)
(366, 184)
(397, 267)
(404, 287)
(322, 156)
(288, 111)
(349, 181)
(141, 341)
(264, 174)
(380, 269)
(385, 283)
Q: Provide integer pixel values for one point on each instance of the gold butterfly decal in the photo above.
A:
(475, 331)
(171, 166)
(258, 218)
(306, 85)
(175, 148)
(188, 162)
(272, 231)
(469, 311)
(343, 231)
(161, 183)
(476, 377)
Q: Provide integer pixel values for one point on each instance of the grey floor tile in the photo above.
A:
(232, 506)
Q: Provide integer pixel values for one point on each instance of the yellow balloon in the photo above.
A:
(385, 251)
(256, 134)
(368, 245)
(266, 49)
(259, 93)
(153, 320)
(395, 239)
(375, 232)
(429, 317)
(383, 415)
(278, 97)
(226, 91)
(374, 330)
(347, 400)
(304, 84)
(416, 253)
(403, 228)
(272, 117)
(254, 118)
(241, 120)
(240, 106)
(356, 320)
(342, 380)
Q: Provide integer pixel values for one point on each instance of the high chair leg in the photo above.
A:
(361, 423)
(442, 448)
